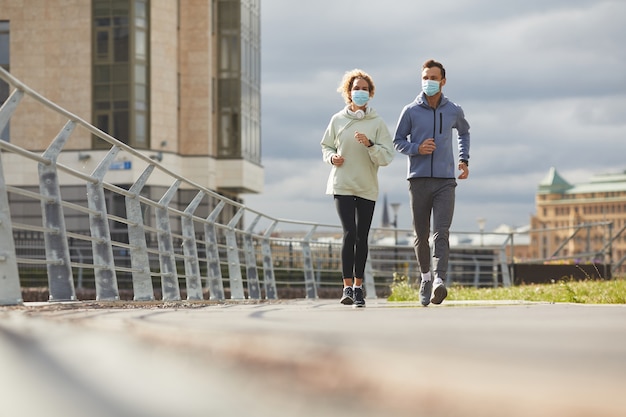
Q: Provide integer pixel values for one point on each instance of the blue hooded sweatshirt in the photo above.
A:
(418, 122)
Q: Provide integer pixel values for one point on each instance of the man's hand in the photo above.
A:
(463, 167)
(427, 147)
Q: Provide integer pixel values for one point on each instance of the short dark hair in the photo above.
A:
(432, 63)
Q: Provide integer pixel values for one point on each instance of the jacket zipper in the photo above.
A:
(440, 123)
(432, 155)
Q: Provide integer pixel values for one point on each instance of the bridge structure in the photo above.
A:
(158, 250)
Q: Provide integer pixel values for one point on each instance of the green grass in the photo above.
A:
(583, 292)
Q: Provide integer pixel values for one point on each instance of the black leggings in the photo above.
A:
(355, 214)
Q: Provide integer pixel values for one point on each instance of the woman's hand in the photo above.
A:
(337, 160)
(362, 139)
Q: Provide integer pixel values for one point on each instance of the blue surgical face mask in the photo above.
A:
(360, 97)
(430, 87)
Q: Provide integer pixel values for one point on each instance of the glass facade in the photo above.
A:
(4, 63)
(239, 80)
(120, 70)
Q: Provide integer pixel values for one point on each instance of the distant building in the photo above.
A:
(563, 206)
(179, 80)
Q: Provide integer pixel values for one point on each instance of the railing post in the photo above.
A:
(234, 265)
(368, 279)
(252, 276)
(58, 262)
(307, 258)
(616, 266)
(8, 107)
(608, 260)
(512, 277)
(169, 276)
(477, 271)
(139, 260)
(10, 291)
(269, 280)
(190, 250)
(504, 265)
(214, 272)
(506, 277)
(103, 263)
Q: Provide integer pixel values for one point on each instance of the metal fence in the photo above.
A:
(174, 240)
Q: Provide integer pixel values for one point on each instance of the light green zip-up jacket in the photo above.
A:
(358, 175)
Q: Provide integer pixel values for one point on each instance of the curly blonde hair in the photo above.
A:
(345, 87)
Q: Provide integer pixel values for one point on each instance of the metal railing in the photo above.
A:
(168, 245)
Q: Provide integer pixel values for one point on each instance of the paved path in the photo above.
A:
(312, 358)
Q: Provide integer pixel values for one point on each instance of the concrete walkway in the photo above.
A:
(312, 358)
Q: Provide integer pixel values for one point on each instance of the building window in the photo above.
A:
(4, 63)
(120, 71)
(239, 80)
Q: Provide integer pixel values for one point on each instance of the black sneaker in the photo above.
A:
(348, 296)
(359, 301)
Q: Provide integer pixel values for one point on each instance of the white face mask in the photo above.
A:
(430, 87)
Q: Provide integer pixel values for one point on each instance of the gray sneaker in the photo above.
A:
(426, 289)
(439, 294)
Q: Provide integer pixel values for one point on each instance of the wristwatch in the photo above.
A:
(464, 161)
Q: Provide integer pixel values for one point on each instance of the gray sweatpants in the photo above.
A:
(432, 196)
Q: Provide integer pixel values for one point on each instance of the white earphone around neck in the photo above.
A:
(359, 114)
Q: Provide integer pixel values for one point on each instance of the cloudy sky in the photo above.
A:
(542, 83)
